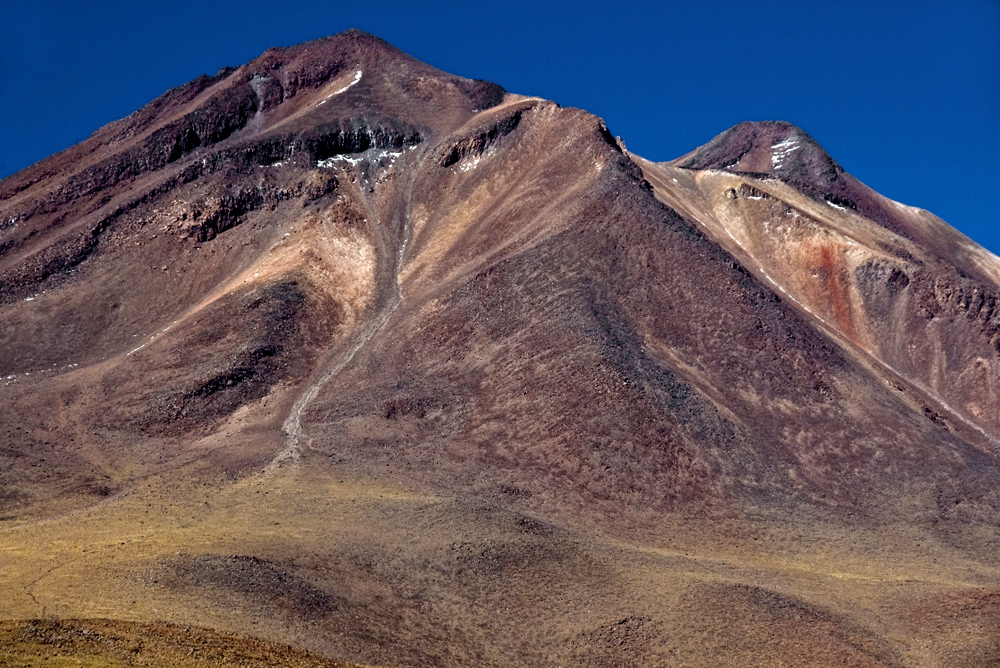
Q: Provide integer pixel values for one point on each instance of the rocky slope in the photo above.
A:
(338, 350)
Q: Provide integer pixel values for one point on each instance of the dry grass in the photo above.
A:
(371, 573)
(110, 644)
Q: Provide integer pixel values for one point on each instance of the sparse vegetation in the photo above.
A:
(73, 643)
(416, 373)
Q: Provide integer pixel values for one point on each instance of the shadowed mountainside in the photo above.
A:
(339, 351)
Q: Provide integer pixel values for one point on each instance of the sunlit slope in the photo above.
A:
(928, 322)
(390, 576)
(338, 351)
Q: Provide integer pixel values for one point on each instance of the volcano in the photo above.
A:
(335, 357)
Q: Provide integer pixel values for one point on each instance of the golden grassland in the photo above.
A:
(369, 573)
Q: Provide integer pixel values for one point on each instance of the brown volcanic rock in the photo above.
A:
(774, 147)
(340, 350)
(203, 215)
(784, 151)
(883, 282)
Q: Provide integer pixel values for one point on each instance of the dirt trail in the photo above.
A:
(293, 423)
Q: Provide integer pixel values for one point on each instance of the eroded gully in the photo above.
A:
(292, 427)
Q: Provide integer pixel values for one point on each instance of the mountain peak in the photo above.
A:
(338, 349)
(778, 148)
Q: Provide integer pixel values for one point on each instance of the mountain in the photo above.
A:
(340, 352)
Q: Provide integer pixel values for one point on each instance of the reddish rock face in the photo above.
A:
(336, 259)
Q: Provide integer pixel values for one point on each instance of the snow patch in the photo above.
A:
(782, 150)
(371, 155)
(357, 78)
(332, 162)
(836, 206)
(470, 164)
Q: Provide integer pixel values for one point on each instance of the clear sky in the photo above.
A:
(905, 95)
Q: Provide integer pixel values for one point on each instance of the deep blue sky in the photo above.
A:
(905, 95)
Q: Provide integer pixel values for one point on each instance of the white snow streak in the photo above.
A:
(782, 150)
(357, 78)
(371, 156)
(332, 162)
(12, 378)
